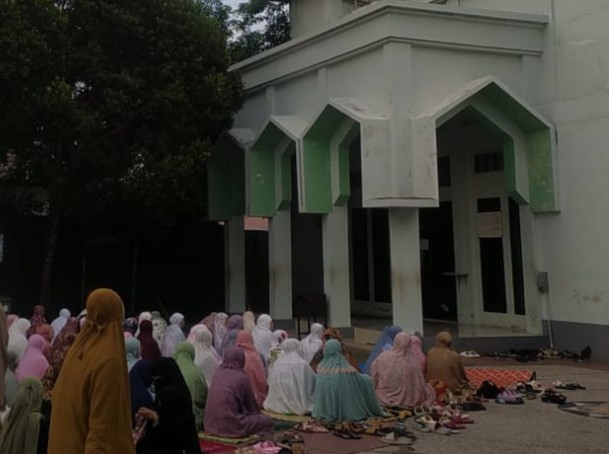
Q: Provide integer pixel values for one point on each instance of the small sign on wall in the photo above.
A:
(490, 225)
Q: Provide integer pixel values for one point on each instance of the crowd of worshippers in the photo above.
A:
(102, 383)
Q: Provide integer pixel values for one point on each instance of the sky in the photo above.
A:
(232, 2)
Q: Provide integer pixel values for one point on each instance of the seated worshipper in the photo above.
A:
(91, 398)
(143, 316)
(47, 333)
(171, 424)
(192, 334)
(276, 350)
(249, 321)
(194, 378)
(33, 363)
(36, 320)
(313, 342)
(417, 347)
(263, 336)
(130, 326)
(291, 382)
(159, 325)
(328, 335)
(149, 348)
(173, 335)
(397, 376)
(60, 349)
(60, 322)
(206, 358)
(10, 319)
(254, 367)
(10, 379)
(444, 364)
(133, 349)
(17, 339)
(341, 392)
(216, 324)
(234, 324)
(20, 434)
(384, 342)
(231, 409)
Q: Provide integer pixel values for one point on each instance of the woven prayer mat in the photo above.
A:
(230, 441)
(503, 378)
(592, 409)
(212, 447)
(289, 418)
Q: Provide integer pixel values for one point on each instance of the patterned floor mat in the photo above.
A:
(592, 409)
(503, 378)
(283, 417)
(230, 441)
(212, 447)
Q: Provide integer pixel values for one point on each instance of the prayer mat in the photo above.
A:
(230, 441)
(283, 417)
(503, 378)
(212, 447)
(592, 409)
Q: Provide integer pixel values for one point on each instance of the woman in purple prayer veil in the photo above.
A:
(234, 324)
(231, 409)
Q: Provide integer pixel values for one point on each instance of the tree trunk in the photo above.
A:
(52, 234)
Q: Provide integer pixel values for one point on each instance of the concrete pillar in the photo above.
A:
(234, 265)
(406, 269)
(335, 237)
(280, 266)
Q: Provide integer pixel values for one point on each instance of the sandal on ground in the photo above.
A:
(552, 397)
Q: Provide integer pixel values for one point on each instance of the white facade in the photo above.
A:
(396, 71)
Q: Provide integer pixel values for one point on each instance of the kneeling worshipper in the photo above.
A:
(417, 347)
(291, 382)
(445, 365)
(341, 392)
(397, 376)
(60, 322)
(20, 432)
(171, 424)
(276, 350)
(206, 358)
(17, 339)
(313, 342)
(249, 321)
(36, 320)
(331, 333)
(10, 379)
(134, 351)
(384, 342)
(194, 378)
(254, 367)
(60, 349)
(34, 363)
(173, 335)
(234, 324)
(159, 326)
(231, 409)
(149, 347)
(263, 335)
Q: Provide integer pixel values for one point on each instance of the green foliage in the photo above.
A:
(107, 103)
(259, 25)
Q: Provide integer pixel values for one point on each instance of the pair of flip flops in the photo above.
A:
(552, 397)
(568, 386)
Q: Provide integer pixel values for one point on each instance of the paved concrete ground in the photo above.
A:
(532, 428)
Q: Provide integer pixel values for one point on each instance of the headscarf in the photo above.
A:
(20, 434)
(341, 392)
(444, 364)
(17, 339)
(143, 316)
(72, 327)
(91, 398)
(33, 363)
(150, 348)
(36, 320)
(220, 328)
(249, 321)
(46, 331)
(173, 335)
(263, 336)
(276, 350)
(206, 358)
(291, 382)
(194, 378)
(140, 381)
(313, 342)
(385, 341)
(417, 348)
(60, 322)
(60, 349)
(192, 334)
(130, 326)
(397, 376)
(254, 368)
(159, 325)
(332, 333)
(234, 324)
(133, 350)
(3, 356)
(232, 410)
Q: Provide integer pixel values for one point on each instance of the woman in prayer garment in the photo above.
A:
(17, 339)
(150, 348)
(91, 399)
(291, 382)
(254, 367)
(417, 347)
(60, 322)
(313, 342)
(131, 326)
(192, 334)
(445, 365)
(280, 337)
(263, 336)
(33, 363)
(329, 334)
(206, 358)
(341, 392)
(194, 378)
(173, 335)
(36, 320)
(140, 381)
(159, 325)
(231, 409)
(10, 379)
(234, 324)
(249, 321)
(60, 349)
(384, 342)
(20, 434)
(133, 349)
(220, 328)
(397, 376)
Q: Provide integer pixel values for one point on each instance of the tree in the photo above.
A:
(107, 103)
(259, 25)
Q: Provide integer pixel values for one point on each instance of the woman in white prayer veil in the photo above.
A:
(60, 322)
(291, 382)
(263, 336)
(206, 357)
(173, 335)
(313, 342)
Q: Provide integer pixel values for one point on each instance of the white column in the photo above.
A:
(335, 237)
(234, 265)
(406, 269)
(280, 266)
